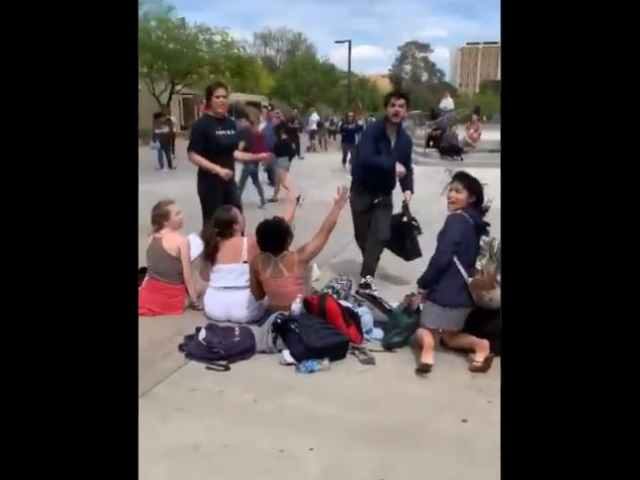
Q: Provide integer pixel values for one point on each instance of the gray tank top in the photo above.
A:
(162, 265)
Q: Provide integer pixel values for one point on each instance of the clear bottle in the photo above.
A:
(313, 365)
(297, 306)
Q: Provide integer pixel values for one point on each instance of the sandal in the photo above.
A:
(363, 355)
(423, 368)
(481, 366)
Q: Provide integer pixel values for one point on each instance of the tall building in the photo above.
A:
(474, 63)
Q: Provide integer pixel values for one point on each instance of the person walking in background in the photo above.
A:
(323, 135)
(383, 154)
(293, 131)
(333, 128)
(270, 119)
(162, 134)
(312, 128)
(252, 141)
(284, 153)
(447, 300)
(213, 148)
(349, 129)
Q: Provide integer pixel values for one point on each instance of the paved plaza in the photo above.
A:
(262, 420)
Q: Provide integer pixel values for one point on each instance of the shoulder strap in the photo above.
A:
(244, 250)
(463, 272)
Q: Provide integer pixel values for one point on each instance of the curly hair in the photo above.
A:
(274, 235)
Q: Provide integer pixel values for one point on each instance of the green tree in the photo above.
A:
(415, 72)
(412, 65)
(275, 47)
(174, 54)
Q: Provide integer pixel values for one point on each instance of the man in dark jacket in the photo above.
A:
(383, 153)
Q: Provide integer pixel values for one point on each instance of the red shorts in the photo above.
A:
(156, 297)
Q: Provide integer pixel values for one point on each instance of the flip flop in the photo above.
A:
(423, 368)
(363, 355)
(483, 366)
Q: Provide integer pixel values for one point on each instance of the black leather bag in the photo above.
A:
(307, 336)
(404, 235)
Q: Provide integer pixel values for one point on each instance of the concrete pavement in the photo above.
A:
(263, 420)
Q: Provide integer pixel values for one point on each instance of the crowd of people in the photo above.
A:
(244, 277)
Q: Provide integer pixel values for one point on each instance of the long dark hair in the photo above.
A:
(219, 227)
(472, 185)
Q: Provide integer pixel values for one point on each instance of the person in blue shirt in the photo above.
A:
(447, 299)
(383, 154)
(348, 131)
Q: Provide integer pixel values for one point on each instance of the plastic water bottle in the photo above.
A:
(297, 306)
(313, 365)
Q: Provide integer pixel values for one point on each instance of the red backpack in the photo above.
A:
(344, 319)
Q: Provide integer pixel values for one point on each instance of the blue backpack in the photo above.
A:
(218, 346)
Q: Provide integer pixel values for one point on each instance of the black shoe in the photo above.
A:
(423, 368)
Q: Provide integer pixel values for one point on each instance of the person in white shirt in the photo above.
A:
(312, 127)
(446, 104)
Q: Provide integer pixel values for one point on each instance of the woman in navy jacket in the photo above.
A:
(447, 301)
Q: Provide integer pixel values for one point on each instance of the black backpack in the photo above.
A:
(219, 346)
(309, 337)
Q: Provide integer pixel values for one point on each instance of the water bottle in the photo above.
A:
(297, 306)
(313, 365)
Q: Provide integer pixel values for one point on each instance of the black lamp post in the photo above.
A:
(348, 72)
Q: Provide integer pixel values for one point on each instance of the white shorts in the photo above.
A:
(235, 305)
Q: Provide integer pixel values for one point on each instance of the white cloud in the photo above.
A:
(364, 58)
(440, 57)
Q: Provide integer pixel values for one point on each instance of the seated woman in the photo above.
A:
(227, 255)
(448, 301)
(281, 274)
(473, 132)
(168, 265)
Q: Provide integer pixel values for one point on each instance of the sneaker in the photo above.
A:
(272, 200)
(367, 285)
(262, 204)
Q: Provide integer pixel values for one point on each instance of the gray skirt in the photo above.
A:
(448, 319)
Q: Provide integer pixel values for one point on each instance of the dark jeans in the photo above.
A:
(372, 226)
(250, 170)
(296, 144)
(271, 173)
(166, 151)
(346, 149)
(215, 192)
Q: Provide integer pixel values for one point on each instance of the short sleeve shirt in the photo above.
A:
(215, 139)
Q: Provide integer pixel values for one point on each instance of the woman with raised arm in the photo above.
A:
(281, 274)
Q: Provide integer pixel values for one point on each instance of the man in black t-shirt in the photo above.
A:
(213, 148)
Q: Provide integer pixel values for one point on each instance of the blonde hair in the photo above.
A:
(160, 214)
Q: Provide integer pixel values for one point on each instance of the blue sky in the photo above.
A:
(377, 27)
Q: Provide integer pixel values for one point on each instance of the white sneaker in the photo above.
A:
(367, 285)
